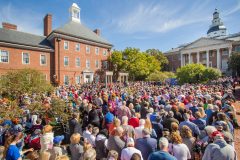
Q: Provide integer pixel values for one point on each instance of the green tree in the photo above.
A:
(234, 63)
(137, 63)
(15, 83)
(159, 56)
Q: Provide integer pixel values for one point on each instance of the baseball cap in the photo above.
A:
(58, 139)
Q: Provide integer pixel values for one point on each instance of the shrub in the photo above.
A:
(160, 76)
(196, 73)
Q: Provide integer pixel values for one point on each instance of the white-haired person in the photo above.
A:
(138, 130)
(127, 152)
(163, 154)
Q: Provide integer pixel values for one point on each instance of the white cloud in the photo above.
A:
(26, 20)
(232, 10)
(159, 18)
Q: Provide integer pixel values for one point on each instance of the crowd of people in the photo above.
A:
(134, 121)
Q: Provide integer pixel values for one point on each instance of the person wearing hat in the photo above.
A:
(219, 149)
(57, 149)
(127, 152)
(146, 145)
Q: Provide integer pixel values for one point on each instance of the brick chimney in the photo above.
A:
(47, 22)
(9, 26)
(97, 31)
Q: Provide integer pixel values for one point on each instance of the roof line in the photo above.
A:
(71, 35)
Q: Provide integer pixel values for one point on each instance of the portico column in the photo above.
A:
(207, 57)
(230, 51)
(198, 57)
(181, 59)
(218, 58)
(189, 58)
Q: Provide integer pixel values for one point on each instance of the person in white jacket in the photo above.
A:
(46, 140)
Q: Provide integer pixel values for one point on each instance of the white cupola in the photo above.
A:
(74, 13)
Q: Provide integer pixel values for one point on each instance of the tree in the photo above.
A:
(137, 63)
(162, 59)
(196, 73)
(26, 81)
(234, 63)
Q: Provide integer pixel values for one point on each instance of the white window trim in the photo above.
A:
(79, 62)
(64, 45)
(88, 52)
(64, 79)
(1, 56)
(28, 56)
(76, 47)
(41, 61)
(64, 61)
(96, 48)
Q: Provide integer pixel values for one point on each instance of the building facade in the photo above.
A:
(70, 54)
(211, 51)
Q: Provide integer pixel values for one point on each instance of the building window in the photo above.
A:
(87, 64)
(77, 47)
(87, 49)
(43, 59)
(97, 50)
(105, 65)
(25, 58)
(66, 61)
(66, 45)
(77, 79)
(96, 64)
(77, 62)
(4, 56)
(66, 80)
(225, 53)
(105, 52)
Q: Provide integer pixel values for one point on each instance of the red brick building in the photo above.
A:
(70, 54)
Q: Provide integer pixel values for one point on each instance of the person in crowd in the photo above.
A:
(199, 121)
(115, 142)
(163, 154)
(146, 145)
(88, 136)
(192, 126)
(138, 130)
(188, 139)
(219, 149)
(101, 140)
(148, 125)
(76, 148)
(46, 139)
(57, 149)
(168, 120)
(127, 152)
(112, 155)
(128, 129)
(74, 125)
(11, 151)
(157, 126)
(178, 148)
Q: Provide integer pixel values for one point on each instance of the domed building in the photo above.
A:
(213, 50)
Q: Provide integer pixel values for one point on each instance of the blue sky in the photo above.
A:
(144, 24)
